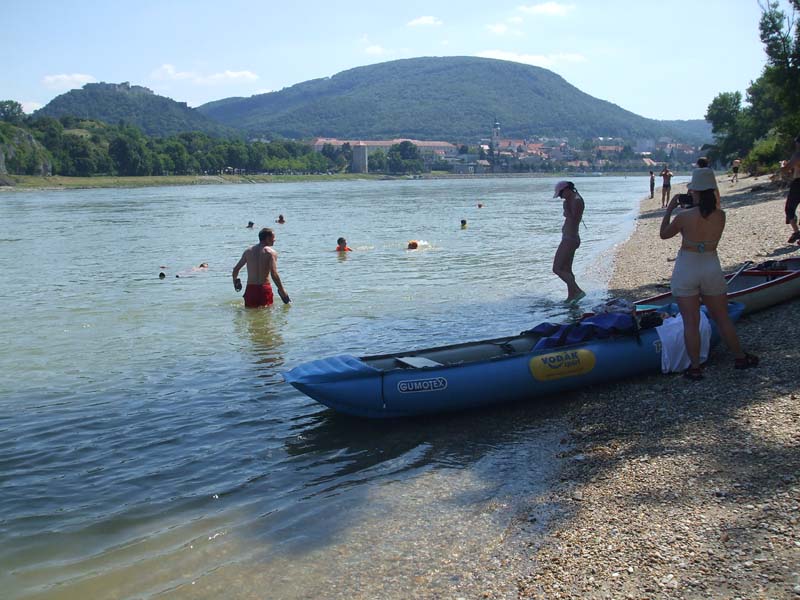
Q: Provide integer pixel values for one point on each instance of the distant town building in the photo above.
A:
(425, 147)
(360, 158)
(496, 135)
(608, 149)
(464, 168)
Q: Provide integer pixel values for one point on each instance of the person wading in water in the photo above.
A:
(262, 263)
(570, 238)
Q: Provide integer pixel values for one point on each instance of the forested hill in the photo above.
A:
(450, 98)
(134, 105)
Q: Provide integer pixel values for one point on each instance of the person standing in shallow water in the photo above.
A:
(652, 183)
(570, 238)
(666, 185)
(262, 263)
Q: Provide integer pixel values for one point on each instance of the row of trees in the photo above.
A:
(84, 147)
(79, 147)
(762, 128)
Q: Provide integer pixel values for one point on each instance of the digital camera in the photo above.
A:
(685, 200)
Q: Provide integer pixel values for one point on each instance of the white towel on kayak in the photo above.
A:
(674, 357)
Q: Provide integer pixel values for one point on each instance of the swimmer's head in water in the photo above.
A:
(413, 244)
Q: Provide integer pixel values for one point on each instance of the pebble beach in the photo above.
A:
(671, 488)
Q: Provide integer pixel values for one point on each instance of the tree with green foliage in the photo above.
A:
(130, 155)
(79, 160)
(82, 147)
(726, 116)
(377, 161)
(404, 158)
(48, 131)
(764, 126)
(179, 156)
(11, 112)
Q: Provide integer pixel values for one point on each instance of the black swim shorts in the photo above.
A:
(792, 200)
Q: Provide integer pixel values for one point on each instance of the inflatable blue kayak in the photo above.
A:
(546, 360)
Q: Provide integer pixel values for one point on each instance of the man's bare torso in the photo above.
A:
(260, 259)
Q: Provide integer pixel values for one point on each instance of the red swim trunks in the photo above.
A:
(258, 295)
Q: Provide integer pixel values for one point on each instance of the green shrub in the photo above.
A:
(765, 155)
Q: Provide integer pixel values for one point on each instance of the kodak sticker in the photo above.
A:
(557, 365)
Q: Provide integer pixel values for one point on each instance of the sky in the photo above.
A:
(659, 60)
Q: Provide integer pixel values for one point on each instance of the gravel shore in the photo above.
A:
(672, 488)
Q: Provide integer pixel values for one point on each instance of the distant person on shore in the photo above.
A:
(697, 275)
(250, 224)
(735, 168)
(341, 245)
(280, 220)
(652, 184)
(666, 184)
(463, 223)
(792, 168)
(262, 263)
(573, 206)
(703, 178)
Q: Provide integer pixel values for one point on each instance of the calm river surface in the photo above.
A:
(148, 445)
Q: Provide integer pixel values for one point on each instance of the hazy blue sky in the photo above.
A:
(664, 60)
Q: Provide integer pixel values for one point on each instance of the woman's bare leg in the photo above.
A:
(718, 307)
(690, 312)
(562, 266)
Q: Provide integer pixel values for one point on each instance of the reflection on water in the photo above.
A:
(262, 326)
(148, 444)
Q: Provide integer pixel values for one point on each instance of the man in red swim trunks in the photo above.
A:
(262, 263)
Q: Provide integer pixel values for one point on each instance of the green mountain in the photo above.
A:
(135, 105)
(694, 130)
(450, 98)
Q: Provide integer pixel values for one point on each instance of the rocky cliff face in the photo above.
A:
(22, 154)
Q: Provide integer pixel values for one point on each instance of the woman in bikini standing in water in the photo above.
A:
(570, 239)
(697, 274)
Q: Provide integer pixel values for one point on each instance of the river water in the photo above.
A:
(148, 444)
